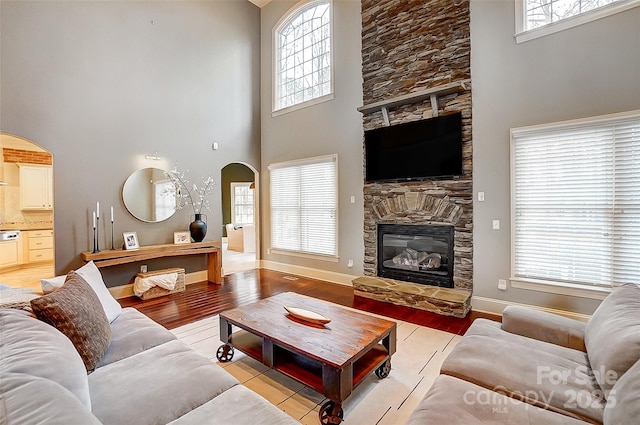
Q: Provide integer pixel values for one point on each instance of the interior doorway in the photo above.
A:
(26, 213)
(240, 233)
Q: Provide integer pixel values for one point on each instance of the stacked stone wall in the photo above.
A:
(409, 46)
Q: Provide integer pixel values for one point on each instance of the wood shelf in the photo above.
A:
(114, 257)
(417, 96)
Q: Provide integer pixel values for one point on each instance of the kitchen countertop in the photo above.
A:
(39, 225)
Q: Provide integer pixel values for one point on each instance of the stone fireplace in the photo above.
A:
(409, 47)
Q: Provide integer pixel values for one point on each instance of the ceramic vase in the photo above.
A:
(198, 228)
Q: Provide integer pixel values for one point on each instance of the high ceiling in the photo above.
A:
(260, 3)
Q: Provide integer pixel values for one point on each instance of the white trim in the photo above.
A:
(274, 60)
(599, 119)
(493, 306)
(523, 35)
(125, 291)
(299, 162)
(306, 104)
(333, 277)
(330, 258)
(559, 288)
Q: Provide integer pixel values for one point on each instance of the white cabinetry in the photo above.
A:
(36, 187)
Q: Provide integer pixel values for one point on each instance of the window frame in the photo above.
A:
(233, 186)
(289, 15)
(299, 253)
(522, 34)
(549, 286)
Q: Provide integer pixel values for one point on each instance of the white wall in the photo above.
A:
(331, 127)
(589, 70)
(102, 83)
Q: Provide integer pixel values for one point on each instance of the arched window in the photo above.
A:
(302, 68)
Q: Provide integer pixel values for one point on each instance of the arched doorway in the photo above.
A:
(26, 213)
(240, 234)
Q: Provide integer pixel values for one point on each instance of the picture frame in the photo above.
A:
(180, 238)
(130, 240)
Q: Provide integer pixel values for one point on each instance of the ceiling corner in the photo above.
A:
(260, 3)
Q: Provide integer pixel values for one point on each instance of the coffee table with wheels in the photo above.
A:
(332, 358)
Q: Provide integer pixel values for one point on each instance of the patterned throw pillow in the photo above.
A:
(75, 310)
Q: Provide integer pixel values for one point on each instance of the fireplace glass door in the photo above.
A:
(416, 253)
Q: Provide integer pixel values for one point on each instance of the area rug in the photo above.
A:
(389, 401)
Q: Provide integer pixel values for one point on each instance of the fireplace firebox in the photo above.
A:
(419, 253)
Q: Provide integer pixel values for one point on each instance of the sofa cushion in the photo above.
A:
(131, 333)
(453, 401)
(156, 386)
(18, 298)
(540, 373)
(623, 405)
(75, 310)
(248, 408)
(93, 277)
(34, 348)
(612, 335)
(29, 399)
(544, 326)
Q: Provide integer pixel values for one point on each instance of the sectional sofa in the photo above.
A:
(540, 368)
(55, 367)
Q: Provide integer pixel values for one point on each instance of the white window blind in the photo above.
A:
(576, 201)
(303, 206)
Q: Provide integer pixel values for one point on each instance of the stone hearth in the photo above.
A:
(445, 301)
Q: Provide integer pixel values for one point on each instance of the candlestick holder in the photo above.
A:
(95, 247)
(112, 245)
(96, 233)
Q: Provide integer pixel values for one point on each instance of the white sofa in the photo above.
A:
(141, 374)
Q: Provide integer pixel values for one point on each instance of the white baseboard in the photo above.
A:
(493, 306)
(333, 277)
(124, 291)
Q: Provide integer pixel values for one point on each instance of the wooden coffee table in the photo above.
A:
(331, 358)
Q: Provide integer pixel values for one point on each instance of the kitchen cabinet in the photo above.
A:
(9, 253)
(38, 245)
(36, 187)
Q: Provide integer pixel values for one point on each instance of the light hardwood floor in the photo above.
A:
(27, 277)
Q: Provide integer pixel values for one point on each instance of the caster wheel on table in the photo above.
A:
(327, 415)
(384, 370)
(225, 353)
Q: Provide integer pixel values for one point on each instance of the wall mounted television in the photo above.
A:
(418, 150)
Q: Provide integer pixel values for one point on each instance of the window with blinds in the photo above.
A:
(576, 201)
(303, 206)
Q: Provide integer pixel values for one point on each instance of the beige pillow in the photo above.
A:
(75, 310)
(612, 335)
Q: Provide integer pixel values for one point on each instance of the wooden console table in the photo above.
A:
(113, 257)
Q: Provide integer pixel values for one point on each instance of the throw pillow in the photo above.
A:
(93, 277)
(623, 406)
(612, 335)
(51, 284)
(75, 310)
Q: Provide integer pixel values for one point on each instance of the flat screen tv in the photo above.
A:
(419, 150)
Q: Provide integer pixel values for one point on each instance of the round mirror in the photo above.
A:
(149, 195)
